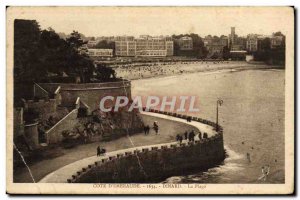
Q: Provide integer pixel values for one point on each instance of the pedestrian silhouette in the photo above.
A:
(186, 135)
(248, 157)
(191, 136)
(200, 136)
(155, 127)
(98, 151)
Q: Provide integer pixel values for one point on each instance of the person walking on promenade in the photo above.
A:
(155, 127)
(200, 135)
(98, 151)
(189, 119)
(85, 136)
(177, 137)
(148, 129)
(186, 135)
(180, 139)
(145, 130)
(192, 136)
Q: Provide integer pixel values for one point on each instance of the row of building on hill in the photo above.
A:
(162, 46)
(251, 43)
(255, 42)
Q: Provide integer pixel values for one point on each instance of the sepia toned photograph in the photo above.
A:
(150, 100)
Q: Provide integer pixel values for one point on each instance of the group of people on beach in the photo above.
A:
(143, 70)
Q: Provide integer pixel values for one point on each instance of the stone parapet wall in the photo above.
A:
(174, 127)
(40, 92)
(203, 121)
(41, 106)
(32, 135)
(18, 121)
(90, 93)
(78, 86)
(155, 164)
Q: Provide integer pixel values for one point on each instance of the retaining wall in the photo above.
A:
(90, 93)
(157, 163)
(32, 135)
(54, 134)
(41, 106)
(203, 121)
(18, 122)
(154, 165)
(40, 92)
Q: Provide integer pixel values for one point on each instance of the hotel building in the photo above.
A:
(185, 43)
(145, 46)
(100, 52)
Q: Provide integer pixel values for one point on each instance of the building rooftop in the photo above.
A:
(185, 38)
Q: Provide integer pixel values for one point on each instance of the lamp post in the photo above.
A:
(219, 102)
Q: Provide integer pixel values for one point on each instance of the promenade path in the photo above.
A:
(61, 175)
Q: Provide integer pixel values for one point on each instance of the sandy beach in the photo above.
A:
(162, 69)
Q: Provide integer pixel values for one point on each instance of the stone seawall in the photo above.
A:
(154, 164)
(157, 162)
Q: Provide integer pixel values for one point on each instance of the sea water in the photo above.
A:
(252, 115)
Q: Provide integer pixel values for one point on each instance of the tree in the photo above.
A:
(198, 51)
(198, 46)
(176, 48)
(105, 73)
(38, 53)
(78, 65)
(26, 42)
(265, 44)
(62, 35)
(264, 49)
(104, 44)
(226, 52)
(53, 51)
(75, 40)
(278, 34)
(216, 38)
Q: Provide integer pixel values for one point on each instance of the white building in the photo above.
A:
(145, 46)
(125, 48)
(276, 41)
(185, 43)
(254, 42)
(92, 43)
(100, 52)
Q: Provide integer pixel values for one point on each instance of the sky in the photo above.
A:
(114, 21)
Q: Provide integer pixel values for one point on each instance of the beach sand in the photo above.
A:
(161, 69)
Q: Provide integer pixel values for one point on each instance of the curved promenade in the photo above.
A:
(71, 172)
